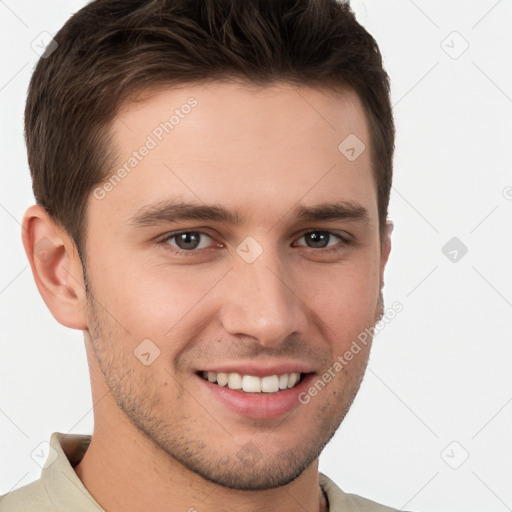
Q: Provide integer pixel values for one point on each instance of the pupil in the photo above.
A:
(184, 239)
(319, 238)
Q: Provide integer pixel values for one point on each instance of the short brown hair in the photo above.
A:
(112, 49)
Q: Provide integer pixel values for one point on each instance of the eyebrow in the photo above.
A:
(174, 211)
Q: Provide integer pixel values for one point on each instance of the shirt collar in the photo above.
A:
(64, 488)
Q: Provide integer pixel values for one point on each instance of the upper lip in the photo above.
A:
(259, 370)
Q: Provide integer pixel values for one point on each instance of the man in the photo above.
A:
(212, 182)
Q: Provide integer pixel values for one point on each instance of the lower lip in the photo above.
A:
(259, 405)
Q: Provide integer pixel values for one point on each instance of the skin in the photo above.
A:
(159, 442)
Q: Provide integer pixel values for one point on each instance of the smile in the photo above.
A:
(252, 383)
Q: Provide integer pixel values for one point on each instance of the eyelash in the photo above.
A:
(344, 241)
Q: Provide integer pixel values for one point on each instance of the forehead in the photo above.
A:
(266, 148)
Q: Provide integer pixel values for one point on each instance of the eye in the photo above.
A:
(322, 239)
(187, 241)
(195, 242)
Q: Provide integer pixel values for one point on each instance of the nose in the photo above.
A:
(261, 300)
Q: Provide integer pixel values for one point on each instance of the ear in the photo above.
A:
(56, 267)
(385, 248)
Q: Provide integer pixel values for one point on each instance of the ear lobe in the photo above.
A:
(56, 267)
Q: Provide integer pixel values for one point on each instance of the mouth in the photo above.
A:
(253, 384)
(262, 390)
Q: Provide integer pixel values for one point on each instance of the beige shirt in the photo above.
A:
(60, 489)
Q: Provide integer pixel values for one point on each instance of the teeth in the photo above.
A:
(292, 379)
(270, 384)
(222, 378)
(234, 381)
(253, 384)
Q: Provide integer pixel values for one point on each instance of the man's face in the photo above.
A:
(273, 294)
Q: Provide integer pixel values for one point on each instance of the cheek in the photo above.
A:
(345, 303)
(157, 301)
(346, 293)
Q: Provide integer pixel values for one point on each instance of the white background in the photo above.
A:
(441, 370)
